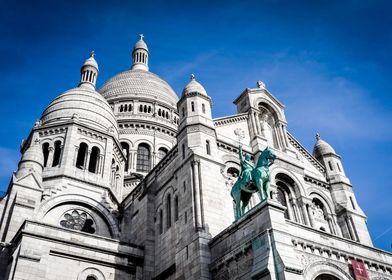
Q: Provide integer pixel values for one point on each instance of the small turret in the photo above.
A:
(326, 155)
(140, 55)
(89, 72)
(195, 105)
(32, 161)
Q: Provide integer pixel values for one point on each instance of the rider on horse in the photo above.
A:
(246, 168)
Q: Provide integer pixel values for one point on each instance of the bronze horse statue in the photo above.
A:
(251, 180)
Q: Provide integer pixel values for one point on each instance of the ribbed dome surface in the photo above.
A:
(140, 45)
(83, 104)
(139, 83)
(322, 148)
(194, 86)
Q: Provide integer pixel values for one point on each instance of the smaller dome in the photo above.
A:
(140, 44)
(91, 61)
(322, 148)
(194, 86)
(83, 104)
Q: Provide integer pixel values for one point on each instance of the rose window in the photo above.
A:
(78, 220)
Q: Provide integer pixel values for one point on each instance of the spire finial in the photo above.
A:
(92, 54)
(141, 36)
(193, 77)
(317, 136)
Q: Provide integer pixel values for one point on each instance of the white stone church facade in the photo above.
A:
(133, 182)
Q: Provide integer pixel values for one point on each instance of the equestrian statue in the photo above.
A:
(252, 179)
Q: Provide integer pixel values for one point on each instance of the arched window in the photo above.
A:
(149, 109)
(326, 277)
(129, 107)
(125, 108)
(57, 153)
(159, 112)
(160, 221)
(168, 211)
(281, 197)
(203, 108)
(143, 163)
(121, 108)
(183, 151)
(167, 115)
(145, 108)
(94, 159)
(193, 106)
(125, 147)
(90, 277)
(82, 154)
(176, 209)
(232, 172)
(208, 148)
(45, 151)
(162, 152)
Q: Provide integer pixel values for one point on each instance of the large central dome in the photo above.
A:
(138, 83)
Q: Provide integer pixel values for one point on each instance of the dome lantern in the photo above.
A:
(89, 72)
(140, 55)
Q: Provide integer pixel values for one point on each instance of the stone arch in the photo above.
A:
(129, 142)
(90, 143)
(91, 271)
(324, 267)
(314, 193)
(50, 204)
(298, 187)
(271, 106)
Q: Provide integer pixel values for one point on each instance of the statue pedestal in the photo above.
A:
(257, 246)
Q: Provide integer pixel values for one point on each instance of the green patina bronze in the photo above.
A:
(252, 179)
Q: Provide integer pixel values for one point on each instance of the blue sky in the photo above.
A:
(329, 62)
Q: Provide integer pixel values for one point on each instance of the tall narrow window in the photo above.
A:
(125, 147)
(352, 202)
(143, 163)
(330, 165)
(45, 151)
(82, 154)
(168, 211)
(340, 170)
(183, 112)
(57, 153)
(203, 108)
(176, 209)
(208, 148)
(94, 158)
(183, 151)
(160, 221)
(193, 106)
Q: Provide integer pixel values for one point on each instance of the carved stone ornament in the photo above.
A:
(78, 220)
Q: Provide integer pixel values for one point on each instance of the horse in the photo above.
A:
(243, 191)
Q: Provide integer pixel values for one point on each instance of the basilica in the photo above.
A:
(133, 181)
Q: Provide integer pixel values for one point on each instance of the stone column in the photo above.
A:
(196, 194)
(330, 224)
(295, 210)
(252, 117)
(87, 160)
(257, 120)
(49, 163)
(337, 227)
(305, 214)
(310, 215)
(349, 227)
(289, 209)
(351, 222)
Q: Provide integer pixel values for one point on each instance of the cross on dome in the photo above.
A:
(92, 54)
(318, 136)
(141, 37)
(193, 77)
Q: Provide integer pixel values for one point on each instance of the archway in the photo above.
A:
(326, 277)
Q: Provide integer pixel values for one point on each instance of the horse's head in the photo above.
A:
(269, 154)
(266, 158)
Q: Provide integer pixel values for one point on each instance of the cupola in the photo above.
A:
(140, 55)
(89, 72)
